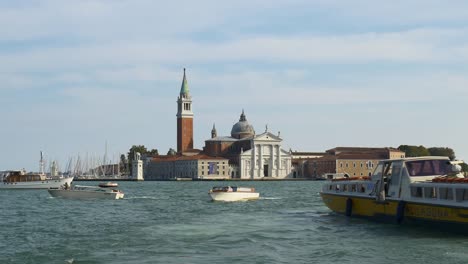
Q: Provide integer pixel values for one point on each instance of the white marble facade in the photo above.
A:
(266, 158)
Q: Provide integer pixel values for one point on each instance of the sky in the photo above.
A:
(77, 76)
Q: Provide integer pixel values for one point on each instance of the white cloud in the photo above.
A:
(414, 46)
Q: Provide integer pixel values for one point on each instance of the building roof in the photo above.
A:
(242, 129)
(184, 89)
(360, 149)
(200, 156)
(362, 156)
(223, 138)
(298, 153)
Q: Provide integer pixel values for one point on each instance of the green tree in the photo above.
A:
(136, 148)
(153, 152)
(464, 167)
(123, 164)
(171, 152)
(446, 152)
(414, 151)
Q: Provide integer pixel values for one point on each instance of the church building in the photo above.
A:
(251, 156)
(242, 155)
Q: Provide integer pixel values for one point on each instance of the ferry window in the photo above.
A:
(427, 167)
(362, 188)
(353, 187)
(395, 179)
(330, 187)
(461, 195)
(416, 191)
(378, 171)
(430, 192)
(345, 187)
(446, 193)
(337, 187)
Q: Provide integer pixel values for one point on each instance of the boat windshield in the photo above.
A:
(427, 167)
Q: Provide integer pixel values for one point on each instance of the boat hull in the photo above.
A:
(71, 194)
(46, 184)
(396, 211)
(234, 196)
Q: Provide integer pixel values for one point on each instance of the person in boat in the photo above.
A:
(66, 187)
(229, 189)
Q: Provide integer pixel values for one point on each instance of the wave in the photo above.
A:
(141, 197)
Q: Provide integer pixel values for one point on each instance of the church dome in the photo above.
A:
(242, 129)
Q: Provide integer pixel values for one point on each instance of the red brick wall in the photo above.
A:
(184, 134)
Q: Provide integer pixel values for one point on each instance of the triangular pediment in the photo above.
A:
(267, 136)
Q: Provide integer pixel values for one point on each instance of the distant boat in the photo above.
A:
(108, 184)
(183, 179)
(86, 192)
(233, 193)
(22, 180)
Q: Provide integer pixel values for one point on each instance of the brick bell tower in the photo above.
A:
(184, 118)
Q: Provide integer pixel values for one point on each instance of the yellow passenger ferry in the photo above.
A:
(421, 189)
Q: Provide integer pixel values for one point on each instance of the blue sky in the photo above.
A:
(77, 74)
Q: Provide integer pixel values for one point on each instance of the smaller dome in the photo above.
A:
(242, 129)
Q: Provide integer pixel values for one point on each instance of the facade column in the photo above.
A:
(260, 161)
(271, 164)
(253, 164)
(278, 162)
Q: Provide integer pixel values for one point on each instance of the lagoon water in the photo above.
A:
(176, 222)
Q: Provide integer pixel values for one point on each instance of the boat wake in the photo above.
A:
(142, 197)
(270, 198)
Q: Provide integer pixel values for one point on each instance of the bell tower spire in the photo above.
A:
(213, 132)
(184, 118)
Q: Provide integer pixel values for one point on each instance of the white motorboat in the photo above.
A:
(233, 193)
(23, 180)
(108, 184)
(86, 192)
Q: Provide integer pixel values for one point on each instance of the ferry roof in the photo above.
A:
(419, 158)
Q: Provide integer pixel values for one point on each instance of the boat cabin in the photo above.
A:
(408, 178)
(21, 176)
(232, 189)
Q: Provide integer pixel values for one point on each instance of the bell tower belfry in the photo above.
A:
(184, 118)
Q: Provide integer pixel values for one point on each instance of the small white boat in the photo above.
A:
(108, 184)
(86, 192)
(233, 193)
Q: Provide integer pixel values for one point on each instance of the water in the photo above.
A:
(175, 222)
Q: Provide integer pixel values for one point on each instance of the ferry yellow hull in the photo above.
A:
(395, 210)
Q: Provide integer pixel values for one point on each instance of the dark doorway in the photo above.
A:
(265, 170)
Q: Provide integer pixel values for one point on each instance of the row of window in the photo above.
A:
(211, 162)
(353, 187)
(368, 164)
(442, 193)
